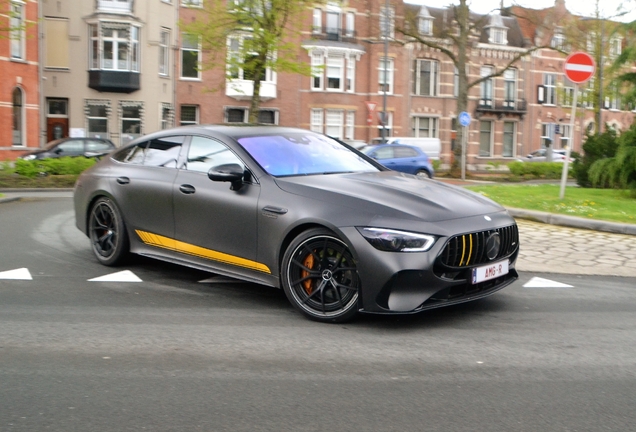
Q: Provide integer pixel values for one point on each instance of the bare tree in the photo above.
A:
(248, 37)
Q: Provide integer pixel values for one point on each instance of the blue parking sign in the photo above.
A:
(464, 118)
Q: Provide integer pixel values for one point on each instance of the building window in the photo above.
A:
(486, 87)
(510, 88)
(17, 24)
(558, 39)
(131, 121)
(190, 56)
(547, 134)
(114, 46)
(192, 3)
(615, 47)
(498, 36)
(116, 6)
(351, 24)
(335, 73)
(332, 28)
(56, 43)
(549, 84)
(485, 138)
(316, 120)
(164, 52)
(235, 71)
(424, 127)
(385, 123)
(317, 60)
(166, 115)
(425, 77)
(425, 26)
(568, 92)
(351, 73)
(334, 123)
(387, 22)
(236, 115)
(317, 21)
(564, 130)
(267, 116)
(350, 125)
(508, 139)
(18, 118)
(189, 115)
(97, 112)
(385, 76)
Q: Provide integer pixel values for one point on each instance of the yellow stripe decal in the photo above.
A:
(198, 251)
(470, 250)
(463, 250)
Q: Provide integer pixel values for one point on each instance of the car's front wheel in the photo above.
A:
(423, 173)
(107, 233)
(319, 276)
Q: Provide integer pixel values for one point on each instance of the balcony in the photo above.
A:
(336, 34)
(244, 89)
(501, 108)
(113, 81)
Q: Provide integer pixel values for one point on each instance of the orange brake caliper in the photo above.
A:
(308, 263)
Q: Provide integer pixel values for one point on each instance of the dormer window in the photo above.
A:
(424, 22)
(558, 39)
(115, 6)
(497, 31)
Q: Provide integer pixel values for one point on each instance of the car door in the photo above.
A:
(142, 184)
(405, 159)
(212, 221)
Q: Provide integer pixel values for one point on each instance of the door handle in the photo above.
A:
(123, 180)
(187, 189)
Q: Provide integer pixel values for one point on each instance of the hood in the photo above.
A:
(391, 194)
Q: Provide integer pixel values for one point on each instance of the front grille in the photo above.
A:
(470, 249)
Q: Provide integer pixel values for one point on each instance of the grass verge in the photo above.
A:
(600, 204)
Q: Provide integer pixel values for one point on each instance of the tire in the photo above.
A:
(319, 277)
(423, 173)
(107, 232)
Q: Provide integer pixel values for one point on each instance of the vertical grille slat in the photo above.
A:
(470, 249)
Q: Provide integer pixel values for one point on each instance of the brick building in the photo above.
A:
(19, 86)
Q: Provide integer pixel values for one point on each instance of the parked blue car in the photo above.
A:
(403, 158)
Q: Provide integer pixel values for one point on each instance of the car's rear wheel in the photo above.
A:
(319, 276)
(107, 232)
(423, 173)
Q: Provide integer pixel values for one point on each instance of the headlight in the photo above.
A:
(28, 157)
(397, 241)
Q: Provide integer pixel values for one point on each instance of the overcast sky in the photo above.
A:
(608, 8)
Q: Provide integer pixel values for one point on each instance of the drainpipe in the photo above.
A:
(41, 79)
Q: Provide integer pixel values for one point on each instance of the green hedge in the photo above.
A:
(538, 170)
(59, 166)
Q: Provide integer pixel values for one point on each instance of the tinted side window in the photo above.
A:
(384, 153)
(163, 152)
(205, 153)
(132, 155)
(404, 152)
(70, 147)
(97, 146)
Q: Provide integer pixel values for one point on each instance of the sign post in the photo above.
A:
(464, 120)
(579, 67)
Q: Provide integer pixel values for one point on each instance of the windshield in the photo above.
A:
(303, 154)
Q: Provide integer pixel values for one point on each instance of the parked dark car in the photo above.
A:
(71, 147)
(293, 209)
(403, 158)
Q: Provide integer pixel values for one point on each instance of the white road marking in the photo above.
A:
(537, 282)
(17, 274)
(122, 276)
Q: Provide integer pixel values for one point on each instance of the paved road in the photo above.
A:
(170, 353)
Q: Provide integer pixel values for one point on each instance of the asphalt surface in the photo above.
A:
(549, 243)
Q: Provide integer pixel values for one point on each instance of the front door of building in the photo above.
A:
(56, 128)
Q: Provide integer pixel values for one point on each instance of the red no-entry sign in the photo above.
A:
(579, 67)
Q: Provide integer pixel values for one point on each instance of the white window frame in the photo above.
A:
(316, 120)
(183, 122)
(498, 36)
(234, 49)
(97, 60)
(432, 127)
(182, 49)
(425, 26)
(490, 138)
(549, 84)
(433, 77)
(131, 120)
(317, 21)
(510, 88)
(18, 32)
(334, 70)
(350, 79)
(387, 15)
(334, 123)
(166, 115)
(615, 47)
(350, 27)
(486, 87)
(350, 123)
(558, 39)
(317, 70)
(513, 139)
(105, 104)
(164, 52)
(192, 3)
(115, 6)
(564, 130)
(568, 92)
(388, 80)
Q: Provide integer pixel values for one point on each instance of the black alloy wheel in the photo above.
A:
(319, 277)
(107, 232)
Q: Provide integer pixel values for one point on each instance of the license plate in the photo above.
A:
(490, 271)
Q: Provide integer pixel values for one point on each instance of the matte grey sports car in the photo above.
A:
(290, 208)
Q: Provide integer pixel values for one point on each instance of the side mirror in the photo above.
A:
(232, 172)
